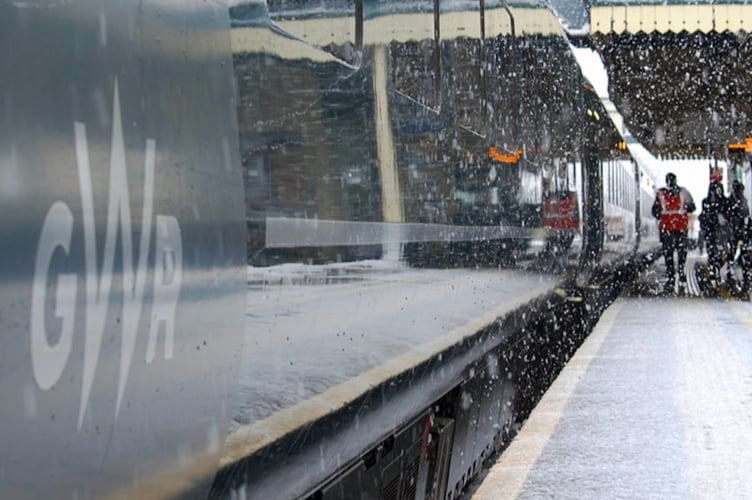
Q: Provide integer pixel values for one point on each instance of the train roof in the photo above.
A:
(256, 30)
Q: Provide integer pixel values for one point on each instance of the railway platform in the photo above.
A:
(656, 403)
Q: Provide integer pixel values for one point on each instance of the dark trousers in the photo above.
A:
(674, 241)
(745, 259)
(718, 245)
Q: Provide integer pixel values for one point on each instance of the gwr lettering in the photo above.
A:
(168, 274)
(49, 361)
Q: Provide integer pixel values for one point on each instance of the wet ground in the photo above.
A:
(657, 403)
(652, 283)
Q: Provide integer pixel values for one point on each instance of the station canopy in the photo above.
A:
(680, 74)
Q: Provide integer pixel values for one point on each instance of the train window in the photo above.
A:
(462, 46)
(410, 33)
(530, 188)
(414, 70)
(607, 183)
(631, 193)
(470, 92)
(620, 186)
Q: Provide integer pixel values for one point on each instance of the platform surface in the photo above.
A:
(657, 403)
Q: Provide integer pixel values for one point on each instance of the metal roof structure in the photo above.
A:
(679, 73)
(674, 16)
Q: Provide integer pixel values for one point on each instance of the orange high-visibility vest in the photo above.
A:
(673, 210)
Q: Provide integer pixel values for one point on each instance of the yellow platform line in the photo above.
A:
(507, 477)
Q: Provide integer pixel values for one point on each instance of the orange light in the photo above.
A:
(741, 147)
(495, 154)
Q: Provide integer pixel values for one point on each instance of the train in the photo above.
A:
(280, 249)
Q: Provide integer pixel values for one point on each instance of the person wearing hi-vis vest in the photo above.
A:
(672, 207)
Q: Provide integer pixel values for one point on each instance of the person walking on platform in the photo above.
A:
(738, 215)
(714, 230)
(672, 205)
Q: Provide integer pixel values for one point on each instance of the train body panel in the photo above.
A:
(120, 270)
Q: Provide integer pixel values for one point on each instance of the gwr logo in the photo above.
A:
(49, 360)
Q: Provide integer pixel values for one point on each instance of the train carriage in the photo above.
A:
(361, 193)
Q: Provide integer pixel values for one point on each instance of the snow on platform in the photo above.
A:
(657, 403)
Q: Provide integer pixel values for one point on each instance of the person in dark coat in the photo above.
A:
(737, 212)
(714, 230)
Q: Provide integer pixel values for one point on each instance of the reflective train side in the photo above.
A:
(462, 171)
(242, 239)
(444, 161)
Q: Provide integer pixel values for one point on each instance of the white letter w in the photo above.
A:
(98, 286)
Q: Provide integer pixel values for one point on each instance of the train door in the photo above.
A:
(561, 212)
